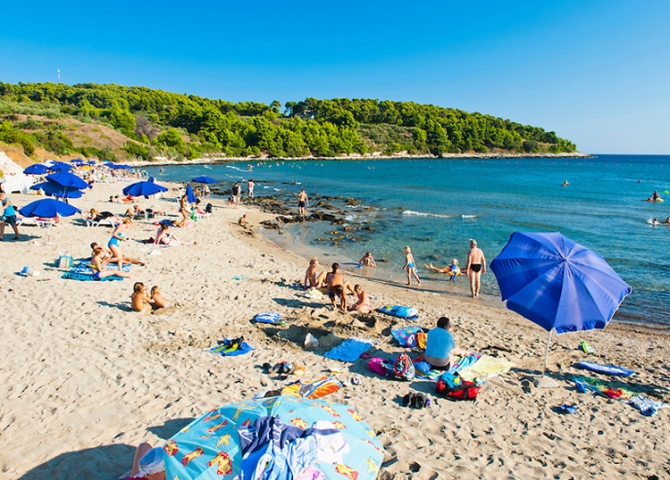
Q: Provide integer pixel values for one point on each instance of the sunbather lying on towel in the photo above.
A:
(100, 270)
(147, 464)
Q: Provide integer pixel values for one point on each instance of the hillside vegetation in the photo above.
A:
(113, 121)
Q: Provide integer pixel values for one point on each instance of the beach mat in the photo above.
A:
(486, 366)
(231, 348)
(606, 369)
(313, 389)
(88, 277)
(400, 311)
(350, 350)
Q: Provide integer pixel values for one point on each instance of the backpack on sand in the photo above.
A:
(453, 386)
(403, 368)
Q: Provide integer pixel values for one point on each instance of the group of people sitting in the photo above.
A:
(334, 284)
(154, 303)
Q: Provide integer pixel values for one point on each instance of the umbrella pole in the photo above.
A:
(546, 353)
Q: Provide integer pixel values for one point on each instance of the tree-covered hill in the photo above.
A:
(157, 122)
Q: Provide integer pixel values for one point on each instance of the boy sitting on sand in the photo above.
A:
(141, 302)
(158, 302)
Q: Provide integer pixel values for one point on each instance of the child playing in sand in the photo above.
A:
(410, 266)
(158, 301)
(363, 303)
(141, 302)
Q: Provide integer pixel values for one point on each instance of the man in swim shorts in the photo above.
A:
(476, 267)
(302, 202)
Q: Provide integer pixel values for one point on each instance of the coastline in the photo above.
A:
(164, 161)
(87, 379)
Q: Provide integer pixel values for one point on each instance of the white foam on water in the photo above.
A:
(423, 214)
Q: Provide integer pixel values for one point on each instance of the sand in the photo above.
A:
(85, 379)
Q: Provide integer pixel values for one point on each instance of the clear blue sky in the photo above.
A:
(595, 72)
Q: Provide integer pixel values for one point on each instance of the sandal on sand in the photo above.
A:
(407, 399)
(419, 400)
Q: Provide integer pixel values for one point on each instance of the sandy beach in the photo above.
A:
(85, 379)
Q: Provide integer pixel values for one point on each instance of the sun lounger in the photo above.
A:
(105, 221)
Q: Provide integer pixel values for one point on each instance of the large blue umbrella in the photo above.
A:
(67, 179)
(51, 188)
(557, 283)
(36, 169)
(190, 196)
(119, 166)
(60, 167)
(204, 179)
(146, 188)
(77, 161)
(48, 208)
(276, 436)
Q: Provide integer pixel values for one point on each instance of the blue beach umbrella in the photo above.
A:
(53, 189)
(204, 179)
(77, 162)
(60, 167)
(190, 196)
(67, 179)
(48, 208)
(557, 283)
(146, 188)
(277, 436)
(36, 169)
(119, 166)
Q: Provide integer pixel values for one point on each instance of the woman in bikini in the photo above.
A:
(99, 270)
(183, 209)
(410, 266)
(163, 237)
(114, 243)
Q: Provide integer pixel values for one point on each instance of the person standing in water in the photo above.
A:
(410, 266)
(476, 267)
(250, 188)
(302, 202)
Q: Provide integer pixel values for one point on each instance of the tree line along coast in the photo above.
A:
(71, 119)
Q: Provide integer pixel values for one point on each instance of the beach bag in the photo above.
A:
(65, 261)
(208, 208)
(451, 385)
(403, 368)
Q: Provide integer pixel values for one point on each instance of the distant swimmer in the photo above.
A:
(667, 220)
(250, 168)
(655, 196)
(565, 184)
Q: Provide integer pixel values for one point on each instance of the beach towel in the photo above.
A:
(313, 389)
(424, 369)
(268, 317)
(606, 369)
(350, 350)
(401, 311)
(231, 348)
(647, 406)
(314, 293)
(83, 266)
(88, 277)
(486, 366)
(409, 337)
(585, 384)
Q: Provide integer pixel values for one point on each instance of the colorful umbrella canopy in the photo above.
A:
(557, 283)
(53, 189)
(147, 188)
(60, 167)
(67, 179)
(190, 196)
(36, 169)
(204, 179)
(48, 208)
(280, 437)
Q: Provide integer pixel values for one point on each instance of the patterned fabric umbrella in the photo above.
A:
(275, 438)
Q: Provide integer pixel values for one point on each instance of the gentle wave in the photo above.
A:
(423, 214)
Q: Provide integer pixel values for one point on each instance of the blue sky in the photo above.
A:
(595, 72)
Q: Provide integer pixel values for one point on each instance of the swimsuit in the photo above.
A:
(301, 203)
(410, 265)
(476, 267)
(114, 242)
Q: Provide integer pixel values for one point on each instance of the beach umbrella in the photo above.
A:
(77, 162)
(36, 169)
(146, 188)
(48, 208)
(119, 166)
(190, 196)
(60, 167)
(280, 437)
(67, 179)
(557, 283)
(204, 179)
(53, 189)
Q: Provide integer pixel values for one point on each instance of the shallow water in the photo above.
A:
(436, 206)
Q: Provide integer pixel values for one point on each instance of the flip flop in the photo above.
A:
(407, 399)
(419, 400)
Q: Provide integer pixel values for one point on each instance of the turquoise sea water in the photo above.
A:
(436, 206)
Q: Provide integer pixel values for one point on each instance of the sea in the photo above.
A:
(436, 206)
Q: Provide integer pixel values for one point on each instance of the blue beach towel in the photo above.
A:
(648, 407)
(350, 350)
(88, 277)
(268, 317)
(400, 311)
(406, 337)
(606, 369)
(85, 267)
(231, 348)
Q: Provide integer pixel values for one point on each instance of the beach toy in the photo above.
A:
(586, 348)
